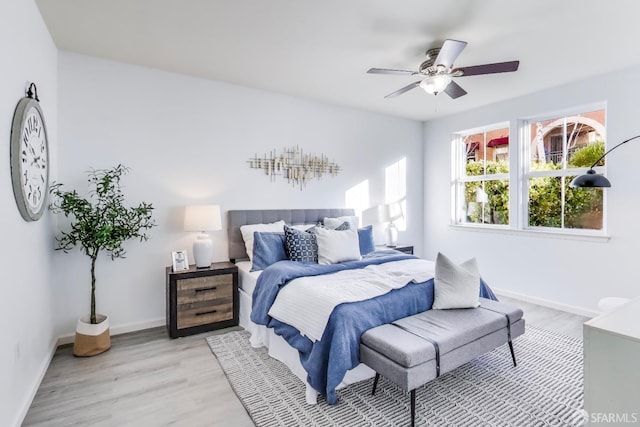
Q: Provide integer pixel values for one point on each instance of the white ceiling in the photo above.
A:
(321, 49)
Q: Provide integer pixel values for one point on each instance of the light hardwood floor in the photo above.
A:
(147, 379)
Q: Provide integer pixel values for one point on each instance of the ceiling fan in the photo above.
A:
(437, 71)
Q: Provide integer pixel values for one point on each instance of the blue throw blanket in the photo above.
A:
(326, 361)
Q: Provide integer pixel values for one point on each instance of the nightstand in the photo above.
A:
(403, 248)
(202, 299)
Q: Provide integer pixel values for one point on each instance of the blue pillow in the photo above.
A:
(365, 236)
(268, 248)
(300, 245)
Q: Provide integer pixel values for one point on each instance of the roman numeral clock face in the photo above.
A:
(29, 159)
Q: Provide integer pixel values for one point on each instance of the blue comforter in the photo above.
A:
(326, 361)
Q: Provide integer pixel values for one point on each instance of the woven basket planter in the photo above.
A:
(92, 339)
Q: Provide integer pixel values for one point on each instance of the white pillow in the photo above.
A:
(456, 286)
(333, 223)
(248, 230)
(337, 246)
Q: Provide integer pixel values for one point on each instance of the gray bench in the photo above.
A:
(416, 349)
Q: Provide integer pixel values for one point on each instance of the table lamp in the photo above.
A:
(381, 214)
(202, 218)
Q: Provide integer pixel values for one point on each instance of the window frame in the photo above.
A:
(526, 174)
(460, 159)
(519, 175)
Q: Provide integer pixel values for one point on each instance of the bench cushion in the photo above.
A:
(408, 341)
(513, 312)
(398, 345)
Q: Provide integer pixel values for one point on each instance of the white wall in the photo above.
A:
(574, 273)
(28, 55)
(188, 140)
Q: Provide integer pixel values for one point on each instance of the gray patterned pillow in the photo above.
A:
(300, 245)
(341, 227)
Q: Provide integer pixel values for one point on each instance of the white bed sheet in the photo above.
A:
(247, 278)
(278, 347)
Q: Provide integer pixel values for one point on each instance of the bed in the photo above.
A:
(328, 360)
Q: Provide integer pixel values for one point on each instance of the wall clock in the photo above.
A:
(30, 157)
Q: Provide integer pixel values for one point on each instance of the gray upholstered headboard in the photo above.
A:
(237, 219)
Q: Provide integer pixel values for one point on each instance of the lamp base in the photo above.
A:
(203, 251)
(391, 236)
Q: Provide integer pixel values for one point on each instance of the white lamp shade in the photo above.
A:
(382, 213)
(375, 215)
(481, 196)
(202, 218)
(394, 211)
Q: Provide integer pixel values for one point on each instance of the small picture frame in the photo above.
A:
(180, 260)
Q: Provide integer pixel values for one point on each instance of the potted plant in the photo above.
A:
(99, 223)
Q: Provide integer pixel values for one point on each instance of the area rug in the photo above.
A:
(545, 389)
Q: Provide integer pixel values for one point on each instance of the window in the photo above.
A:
(482, 175)
(560, 148)
(534, 193)
(395, 191)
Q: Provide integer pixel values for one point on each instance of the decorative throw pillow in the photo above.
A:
(344, 226)
(334, 223)
(302, 227)
(365, 237)
(300, 245)
(337, 246)
(248, 230)
(456, 286)
(268, 248)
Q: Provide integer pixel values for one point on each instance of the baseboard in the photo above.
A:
(117, 330)
(36, 384)
(547, 303)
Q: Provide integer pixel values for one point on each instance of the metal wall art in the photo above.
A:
(295, 166)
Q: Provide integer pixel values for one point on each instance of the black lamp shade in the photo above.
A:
(590, 179)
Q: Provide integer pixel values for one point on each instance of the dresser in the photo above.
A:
(612, 367)
(202, 299)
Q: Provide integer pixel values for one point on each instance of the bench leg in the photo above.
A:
(413, 407)
(513, 354)
(375, 384)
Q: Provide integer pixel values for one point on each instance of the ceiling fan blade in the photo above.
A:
(454, 90)
(404, 89)
(498, 67)
(388, 71)
(449, 52)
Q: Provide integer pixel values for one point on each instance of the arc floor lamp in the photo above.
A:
(591, 178)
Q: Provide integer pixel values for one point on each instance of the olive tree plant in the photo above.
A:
(100, 222)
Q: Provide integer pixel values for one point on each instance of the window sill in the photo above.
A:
(531, 233)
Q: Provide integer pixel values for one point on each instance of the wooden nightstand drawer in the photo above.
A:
(204, 288)
(202, 313)
(202, 299)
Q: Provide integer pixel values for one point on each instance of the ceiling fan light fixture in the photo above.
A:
(435, 84)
